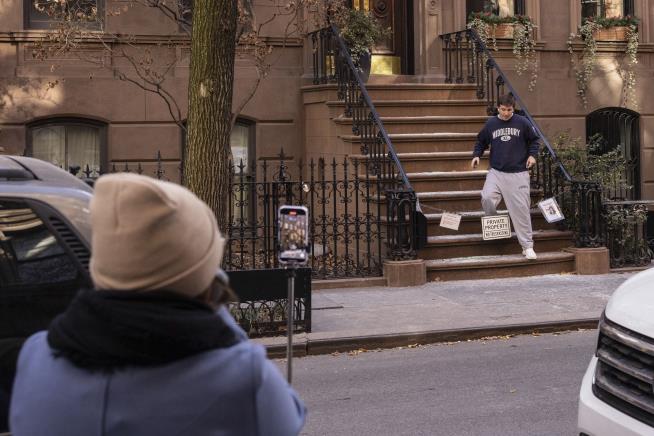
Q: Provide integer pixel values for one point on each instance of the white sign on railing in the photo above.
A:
(450, 221)
(495, 227)
(551, 210)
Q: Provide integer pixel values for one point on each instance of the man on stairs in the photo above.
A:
(513, 149)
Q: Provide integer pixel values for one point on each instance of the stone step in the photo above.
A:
(447, 180)
(462, 245)
(471, 222)
(423, 142)
(408, 108)
(486, 267)
(422, 124)
(457, 201)
(440, 161)
(442, 181)
(421, 91)
(434, 161)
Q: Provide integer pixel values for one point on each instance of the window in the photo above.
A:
(37, 277)
(606, 8)
(185, 13)
(243, 194)
(42, 14)
(73, 145)
(503, 8)
(242, 141)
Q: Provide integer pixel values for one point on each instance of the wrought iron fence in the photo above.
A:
(626, 233)
(263, 306)
(332, 63)
(349, 221)
(345, 215)
(90, 172)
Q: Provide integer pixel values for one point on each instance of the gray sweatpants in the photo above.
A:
(514, 188)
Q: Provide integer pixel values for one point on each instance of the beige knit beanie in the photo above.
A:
(152, 235)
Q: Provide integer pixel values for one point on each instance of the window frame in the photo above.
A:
(250, 179)
(71, 121)
(69, 239)
(519, 8)
(29, 24)
(627, 8)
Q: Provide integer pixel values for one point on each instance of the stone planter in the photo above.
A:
(615, 33)
(504, 31)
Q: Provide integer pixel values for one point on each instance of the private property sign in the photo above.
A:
(495, 227)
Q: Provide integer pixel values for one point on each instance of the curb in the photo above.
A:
(311, 347)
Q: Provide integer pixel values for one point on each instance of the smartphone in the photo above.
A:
(293, 234)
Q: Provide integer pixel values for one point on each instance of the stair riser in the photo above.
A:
(460, 204)
(438, 184)
(420, 127)
(431, 110)
(450, 205)
(433, 185)
(490, 248)
(465, 145)
(458, 164)
(530, 269)
(421, 94)
(467, 227)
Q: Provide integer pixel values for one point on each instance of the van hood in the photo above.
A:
(632, 304)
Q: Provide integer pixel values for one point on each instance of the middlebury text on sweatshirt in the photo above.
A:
(511, 143)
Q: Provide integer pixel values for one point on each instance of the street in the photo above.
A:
(526, 385)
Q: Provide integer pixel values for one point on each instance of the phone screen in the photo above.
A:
(293, 234)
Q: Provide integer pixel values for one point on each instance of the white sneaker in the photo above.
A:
(529, 253)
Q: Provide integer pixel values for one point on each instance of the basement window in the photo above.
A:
(45, 14)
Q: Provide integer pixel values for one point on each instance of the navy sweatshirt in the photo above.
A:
(511, 142)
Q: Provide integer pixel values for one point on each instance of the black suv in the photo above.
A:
(44, 253)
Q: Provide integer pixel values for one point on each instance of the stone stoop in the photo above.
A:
(433, 128)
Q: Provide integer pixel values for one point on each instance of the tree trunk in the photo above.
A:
(206, 165)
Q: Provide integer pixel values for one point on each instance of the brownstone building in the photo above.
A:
(73, 112)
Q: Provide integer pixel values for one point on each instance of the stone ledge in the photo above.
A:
(590, 260)
(403, 273)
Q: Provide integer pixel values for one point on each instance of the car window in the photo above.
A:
(37, 276)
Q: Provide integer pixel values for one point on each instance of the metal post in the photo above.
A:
(289, 323)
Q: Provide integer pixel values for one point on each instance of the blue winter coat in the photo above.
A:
(227, 391)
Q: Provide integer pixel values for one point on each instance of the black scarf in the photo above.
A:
(109, 329)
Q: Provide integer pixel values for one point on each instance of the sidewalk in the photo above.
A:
(378, 317)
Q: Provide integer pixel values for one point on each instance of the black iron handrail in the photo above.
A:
(371, 107)
(332, 63)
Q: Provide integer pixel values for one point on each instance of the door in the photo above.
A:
(393, 55)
